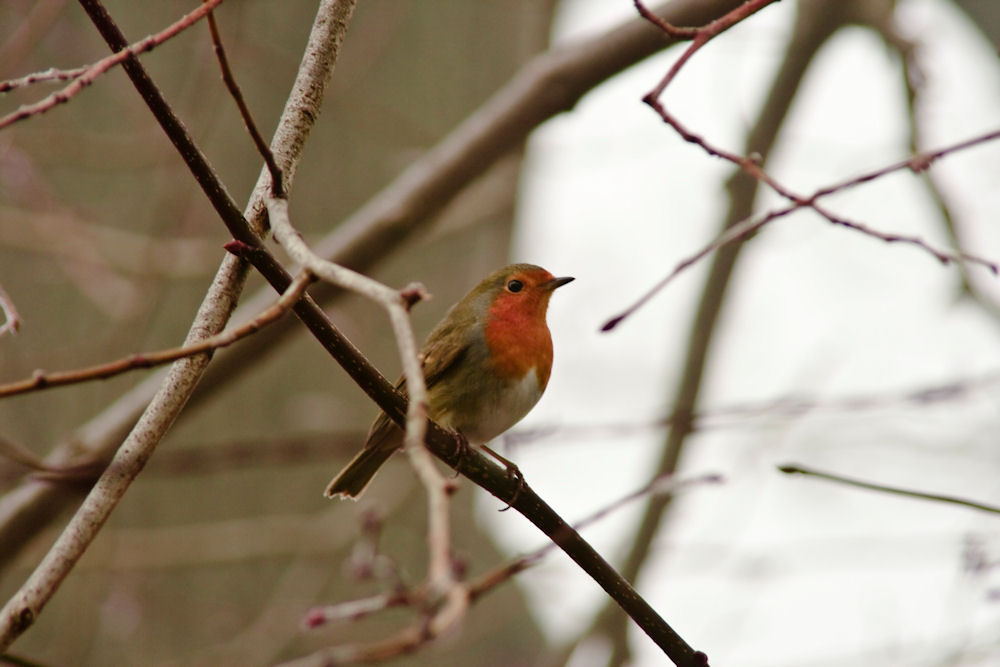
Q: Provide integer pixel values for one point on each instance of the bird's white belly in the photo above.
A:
(502, 410)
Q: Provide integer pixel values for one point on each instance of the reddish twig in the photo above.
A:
(101, 66)
(277, 186)
(750, 226)
(916, 163)
(752, 164)
(41, 380)
(51, 74)
(698, 36)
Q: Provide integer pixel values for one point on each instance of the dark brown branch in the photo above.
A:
(425, 630)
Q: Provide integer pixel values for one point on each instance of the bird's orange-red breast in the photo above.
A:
(486, 365)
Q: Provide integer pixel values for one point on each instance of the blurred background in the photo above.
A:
(827, 347)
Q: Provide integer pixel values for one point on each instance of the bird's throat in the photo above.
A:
(519, 339)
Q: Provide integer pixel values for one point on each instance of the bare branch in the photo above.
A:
(248, 121)
(49, 75)
(91, 73)
(42, 380)
(751, 164)
(698, 36)
(746, 228)
(397, 305)
(792, 469)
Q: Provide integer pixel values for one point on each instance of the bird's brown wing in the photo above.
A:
(443, 350)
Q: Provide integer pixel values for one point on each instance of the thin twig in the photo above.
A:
(737, 232)
(699, 36)
(91, 73)
(738, 414)
(42, 380)
(749, 226)
(752, 164)
(248, 121)
(51, 74)
(793, 469)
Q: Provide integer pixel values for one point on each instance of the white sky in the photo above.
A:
(768, 570)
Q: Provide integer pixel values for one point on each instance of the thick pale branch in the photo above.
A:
(23, 608)
(397, 306)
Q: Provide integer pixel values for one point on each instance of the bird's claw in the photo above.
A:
(513, 472)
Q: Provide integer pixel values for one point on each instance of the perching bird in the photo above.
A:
(486, 364)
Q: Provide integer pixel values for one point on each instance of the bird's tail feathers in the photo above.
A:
(353, 479)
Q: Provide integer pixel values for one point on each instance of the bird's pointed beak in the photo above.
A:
(557, 282)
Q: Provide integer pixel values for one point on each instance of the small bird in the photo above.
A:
(486, 364)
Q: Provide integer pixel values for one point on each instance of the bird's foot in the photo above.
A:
(513, 472)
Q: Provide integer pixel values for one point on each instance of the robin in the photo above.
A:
(486, 364)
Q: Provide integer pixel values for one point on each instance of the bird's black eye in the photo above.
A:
(515, 286)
